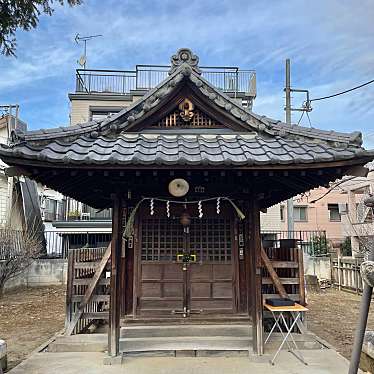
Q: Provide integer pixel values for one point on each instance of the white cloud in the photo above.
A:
(330, 45)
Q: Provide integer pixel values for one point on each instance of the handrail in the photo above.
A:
(106, 71)
(228, 79)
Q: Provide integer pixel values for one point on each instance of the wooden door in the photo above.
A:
(211, 279)
(166, 285)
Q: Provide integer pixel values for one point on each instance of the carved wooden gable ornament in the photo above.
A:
(187, 115)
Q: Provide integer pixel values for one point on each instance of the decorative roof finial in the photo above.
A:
(184, 56)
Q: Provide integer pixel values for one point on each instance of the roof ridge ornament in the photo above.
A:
(184, 56)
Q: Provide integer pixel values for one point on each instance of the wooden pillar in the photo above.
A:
(115, 277)
(254, 282)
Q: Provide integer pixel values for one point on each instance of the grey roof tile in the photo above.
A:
(156, 149)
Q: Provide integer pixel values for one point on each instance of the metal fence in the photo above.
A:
(145, 77)
(59, 243)
(313, 243)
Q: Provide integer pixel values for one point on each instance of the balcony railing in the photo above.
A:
(228, 79)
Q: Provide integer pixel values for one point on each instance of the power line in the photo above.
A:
(343, 92)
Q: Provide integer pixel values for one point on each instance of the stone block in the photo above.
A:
(113, 360)
(3, 355)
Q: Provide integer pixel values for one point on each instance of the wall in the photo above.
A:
(3, 198)
(43, 272)
(319, 266)
(318, 213)
(271, 220)
(80, 108)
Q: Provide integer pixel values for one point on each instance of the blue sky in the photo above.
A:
(330, 44)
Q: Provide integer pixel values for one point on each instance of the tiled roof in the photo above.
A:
(129, 116)
(183, 149)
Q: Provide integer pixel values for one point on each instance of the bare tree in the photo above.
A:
(362, 225)
(18, 249)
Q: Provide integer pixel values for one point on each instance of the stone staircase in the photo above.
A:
(186, 338)
(177, 340)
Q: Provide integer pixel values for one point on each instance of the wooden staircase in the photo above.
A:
(88, 284)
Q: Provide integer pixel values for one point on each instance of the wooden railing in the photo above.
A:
(87, 295)
(285, 258)
(346, 273)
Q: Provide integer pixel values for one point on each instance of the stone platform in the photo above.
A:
(321, 361)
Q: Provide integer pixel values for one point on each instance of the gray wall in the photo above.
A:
(319, 266)
(43, 272)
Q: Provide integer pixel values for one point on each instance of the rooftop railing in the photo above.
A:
(144, 77)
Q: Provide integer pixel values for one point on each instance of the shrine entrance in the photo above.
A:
(186, 265)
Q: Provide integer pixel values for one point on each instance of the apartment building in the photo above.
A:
(11, 209)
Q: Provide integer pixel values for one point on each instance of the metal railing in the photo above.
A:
(228, 79)
(313, 243)
(105, 81)
(58, 243)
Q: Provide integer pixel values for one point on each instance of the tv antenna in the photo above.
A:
(83, 59)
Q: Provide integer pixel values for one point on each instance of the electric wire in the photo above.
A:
(342, 92)
(332, 188)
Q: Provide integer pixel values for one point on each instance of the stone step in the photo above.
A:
(196, 338)
(171, 331)
(80, 343)
(212, 343)
(185, 338)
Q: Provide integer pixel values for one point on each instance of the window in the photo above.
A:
(98, 114)
(282, 213)
(300, 214)
(50, 209)
(334, 213)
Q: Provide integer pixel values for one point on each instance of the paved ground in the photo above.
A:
(320, 362)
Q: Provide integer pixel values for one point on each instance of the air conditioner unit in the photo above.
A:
(85, 216)
(343, 208)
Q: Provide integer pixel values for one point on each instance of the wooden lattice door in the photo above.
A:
(169, 285)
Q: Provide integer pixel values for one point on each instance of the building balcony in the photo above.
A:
(231, 80)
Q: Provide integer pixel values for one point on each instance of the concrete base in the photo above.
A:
(321, 361)
(367, 354)
(113, 360)
(3, 355)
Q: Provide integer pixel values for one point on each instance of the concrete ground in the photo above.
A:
(324, 361)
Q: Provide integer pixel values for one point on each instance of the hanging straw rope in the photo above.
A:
(129, 228)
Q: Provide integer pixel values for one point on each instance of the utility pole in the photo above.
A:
(290, 216)
(367, 275)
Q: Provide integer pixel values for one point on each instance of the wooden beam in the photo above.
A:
(300, 259)
(273, 275)
(69, 288)
(92, 283)
(115, 277)
(255, 285)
